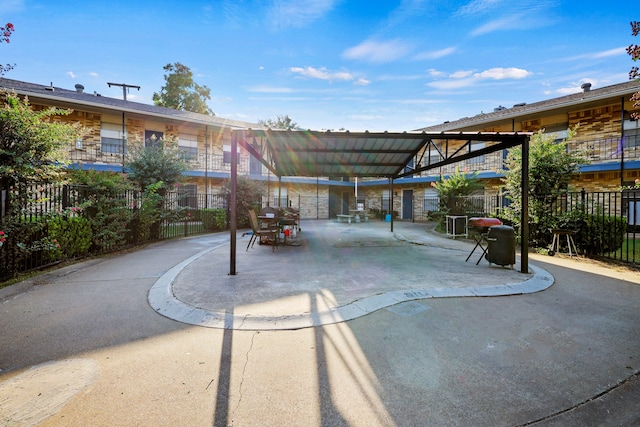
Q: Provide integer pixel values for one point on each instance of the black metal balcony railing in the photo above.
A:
(597, 151)
(201, 162)
(606, 150)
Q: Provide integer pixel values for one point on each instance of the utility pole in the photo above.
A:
(125, 88)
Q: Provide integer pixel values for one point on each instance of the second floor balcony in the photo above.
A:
(598, 151)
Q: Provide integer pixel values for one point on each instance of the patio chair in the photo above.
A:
(271, 232)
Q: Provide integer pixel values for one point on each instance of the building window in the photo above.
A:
(475, 146)
(434, 157)
(226, 154)
(188, 146)
(188, 196)
(283, 197)
(153, 138)
(112, 140)
(386, 200)
(631, 133)
(431, 201)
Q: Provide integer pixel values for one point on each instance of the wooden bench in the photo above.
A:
(342, 218)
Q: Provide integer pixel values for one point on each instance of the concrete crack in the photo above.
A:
(244, 370)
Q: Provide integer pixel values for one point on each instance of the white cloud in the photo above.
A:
(400, 77)
(465, 78)
(94, 74)
(508, 15)
(436, 73)
(324, 74)
(297, 13)
(71, 74)
(476, 7)
(611, 52)
(598, 55)
(321, 73)
(435, 54)
(504, 23)
(377, 52)
(566, 90)
(406, 11)
(503, 73)
(461, 74)
(573, 87)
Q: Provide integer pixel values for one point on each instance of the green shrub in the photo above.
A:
(105, 204)
(28, 238)
(452, 189)
(192, 214)
(214, 219)
(596, 234)
(602, 234)
(70, 235)
(248, 196)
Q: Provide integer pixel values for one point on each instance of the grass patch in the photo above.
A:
(630, 250)
(178, 229)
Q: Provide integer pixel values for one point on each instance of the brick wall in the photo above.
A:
(597, 123)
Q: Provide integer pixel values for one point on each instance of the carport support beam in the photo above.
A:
(524, 215)
(232, 202)
(391, 201)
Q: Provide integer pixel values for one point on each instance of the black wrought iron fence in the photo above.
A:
(605, 224)
(32, 234)
(186, 214)
(46, 224)
(429, 207)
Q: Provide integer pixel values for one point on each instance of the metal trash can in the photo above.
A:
(502, 245)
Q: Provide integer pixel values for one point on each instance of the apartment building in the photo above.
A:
(112, 125)
(605, 129)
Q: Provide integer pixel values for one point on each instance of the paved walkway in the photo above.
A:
(81, 346)
(329, 273)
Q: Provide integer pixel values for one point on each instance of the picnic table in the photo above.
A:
(357, 213)
(344, 217)
(287, 221)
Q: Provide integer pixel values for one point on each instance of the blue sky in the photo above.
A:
(328, 64)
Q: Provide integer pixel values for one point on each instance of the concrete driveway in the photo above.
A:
(83, 346)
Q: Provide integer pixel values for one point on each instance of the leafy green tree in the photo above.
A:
(32, 143)
(634, 51)
(551, 167)
(180, 91)
(248, 196)
(452, 189)
(155, 169)
(32, 152)
(104, 204)
(280, 122)
(160, 162)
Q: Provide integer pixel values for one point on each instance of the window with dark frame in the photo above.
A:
(111, 138)
(153, 138)
(226, 155)
(188, 196)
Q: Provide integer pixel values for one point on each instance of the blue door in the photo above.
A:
(407, 204)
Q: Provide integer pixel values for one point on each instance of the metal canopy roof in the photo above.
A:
(307, 153)
(365, 154)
